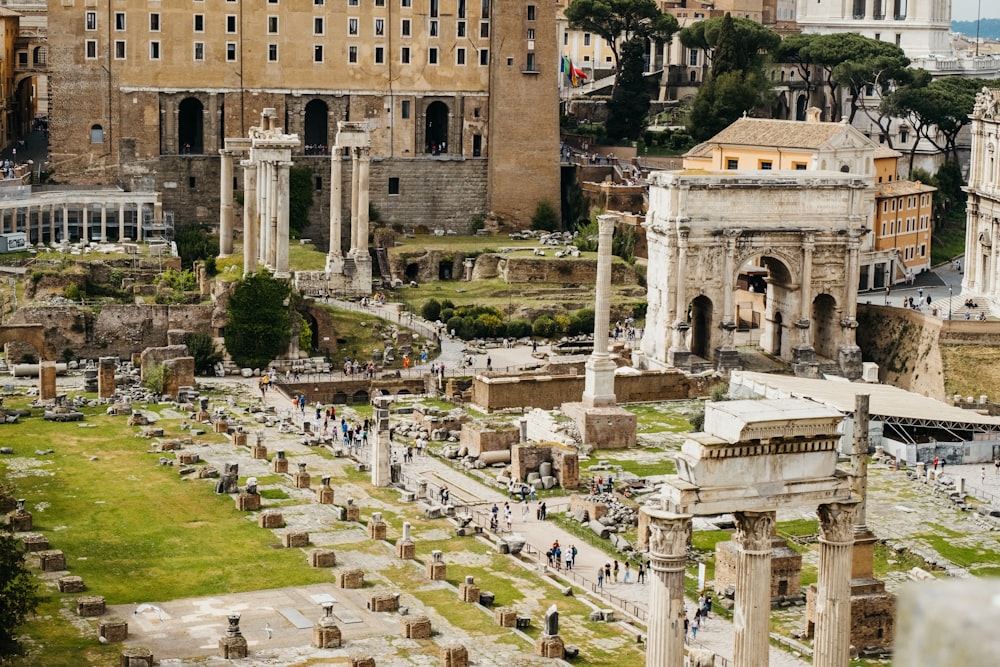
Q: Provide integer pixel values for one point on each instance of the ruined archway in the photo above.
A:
(316, 127)
(825, 325)
(34, 335)
(700, 321)
(436, 128)
(190, 127)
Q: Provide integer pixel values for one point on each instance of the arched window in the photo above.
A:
(96, 134)
(40, 56)
(316, 127)
(436, 128)
(694, 76)
(190, 124)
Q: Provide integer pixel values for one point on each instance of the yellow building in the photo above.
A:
(9, 22)
(461, 95)
(899, 245)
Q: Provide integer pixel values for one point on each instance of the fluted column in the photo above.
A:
(354, 202)
(121, 221)
(250, 220)
(336, 202)
(681, 287)
(751, 616)
(226, 203)
(65, 223)
(364, 164)
(84, 227)
(833, 590)
(667, 555)
(728, 314)
(273, 196)
(805, 287)
(281, 235)
(599, 381)
(104, 223)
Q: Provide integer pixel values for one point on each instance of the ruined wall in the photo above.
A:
(480, 438)
(565, 270)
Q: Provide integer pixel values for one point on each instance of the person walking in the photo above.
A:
(600, 577)
(614, 571)
(627, 576)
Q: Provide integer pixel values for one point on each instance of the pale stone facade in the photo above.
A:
(806, 228)
(982, 233)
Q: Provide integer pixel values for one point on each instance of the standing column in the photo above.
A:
(805, 289)
(364, 162)
(681, 288)
(599, 382)
(728, 314)
(121, 221)
(104, 223)
(667, 555)
(751, 616)
(65, 224)
(281, 236)
(272, 216)
(851, 288)
(833, 590)
(336, 202)
(354, 202)
(84, 231)
(226, 203)
(250, 220)
(264, 188)
(671, 294)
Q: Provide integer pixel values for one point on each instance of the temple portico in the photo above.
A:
(754, 458)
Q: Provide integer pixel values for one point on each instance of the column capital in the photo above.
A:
(836, 522)
(754, 530)
(668, 535)
(606, 224)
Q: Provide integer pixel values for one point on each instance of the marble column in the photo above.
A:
(354, 202)
(226, 203)
(667, 555)
(104, 223)
(65, 224)
(272, 215)
(364, 163)
(751, 616)
(85, 226)
(833, 590)
(678, 355)
(805, 287)
(336, 207)
(121, 222)
(250, 220)
(599, 382)
(281, 235)
(851, 288)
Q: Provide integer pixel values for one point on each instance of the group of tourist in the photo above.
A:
(625, 330)
(700, 616)
(353, 367)
(377, 299)
(555, 556)
(601, 485)
(610, 573)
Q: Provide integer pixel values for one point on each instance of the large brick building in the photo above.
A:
(462, 93)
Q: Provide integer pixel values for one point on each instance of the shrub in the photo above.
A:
(454, 323)
(259, 321)
(489, 325)
(446, 314)
(583, 319)
(202, 348)
(545, 217)
(74, 292)
(545, 327)
(157, 377)
(519, 328)
(431, 310)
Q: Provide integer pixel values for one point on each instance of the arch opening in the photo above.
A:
(317, 128)
(436, 129)
(190, 127)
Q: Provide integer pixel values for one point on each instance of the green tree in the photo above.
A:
(157, 378)
(202, 348)
(300, 199)
(733, 44)
(620, 21)
(431, 310)
(18, 595)
(873, 72)
(545, 217)
(574, 206)
(721, 100)
(194, 243)
(630, 99)
(259, 325)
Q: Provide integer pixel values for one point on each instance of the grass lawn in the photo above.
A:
(663, 416)
(970, 370)
(664, 466)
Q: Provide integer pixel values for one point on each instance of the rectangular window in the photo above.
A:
(732, 164)
(405, 3)
(459, 56)
(404, 110)
(586, 39)
(477, 145)
(434, 28)
(154, 22)
(565, 39)
(461, 9)
(379, 27)
(318, 53)
(484, 29)
(352, 26)
(531, 33)
(432, 56)
(693, 58)
(799, 166)
(231, 52)
(120, 49)
(765, 164)
(318, 25)
(393, 185)
(484, 57)
(90, 48)
(119, 21)
(272, 25)
(530, 65)
(461, 28)
(199, 50)
(352, 3)
(404, 55)
(380, 3)
(231, 24)
(484, 10)
(435, 10)
(379, 55)
(91, 21)
(154, 50)
(531, 12)
(352, 54)
(272, 53)
(317, 2)
(404, 28)
(199, 23)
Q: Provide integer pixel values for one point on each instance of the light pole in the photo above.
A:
(979, 19)
(949, 302)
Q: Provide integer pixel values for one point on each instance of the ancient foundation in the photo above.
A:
(415, 627)
(322, 558)
(90, 605)
(135, 656)
(295, 539)
(468, 591)
(550, 647)
(454, 655)
(113, 629)
(271, 519)
(384, 601)
(353, 578)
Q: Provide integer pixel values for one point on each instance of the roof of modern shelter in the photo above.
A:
(886, 403)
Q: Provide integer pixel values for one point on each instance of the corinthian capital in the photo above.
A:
(754, 530)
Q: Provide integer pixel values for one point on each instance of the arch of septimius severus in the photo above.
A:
(703, 228)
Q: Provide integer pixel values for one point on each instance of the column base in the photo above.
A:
(849, 359)
(727, 359)
(679, 358)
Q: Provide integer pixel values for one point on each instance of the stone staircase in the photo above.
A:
(958, 309)
(384, 268)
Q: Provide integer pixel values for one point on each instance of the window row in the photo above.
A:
(319, 53)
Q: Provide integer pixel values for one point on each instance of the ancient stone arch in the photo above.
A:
(34, 335)
(805, 229)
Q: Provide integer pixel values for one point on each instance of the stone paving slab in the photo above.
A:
(296, 618)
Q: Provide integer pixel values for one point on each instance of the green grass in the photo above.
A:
(665, 466)
(797, 528)
(662, 417)
(971, 556)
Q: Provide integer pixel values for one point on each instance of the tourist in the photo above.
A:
(640, 574)
(694, 626)
(544, 511)
(524, 511)
(627, 575)
(982, 475)
(614, 572)
(600, 577)
(708, 604)
(607, 571)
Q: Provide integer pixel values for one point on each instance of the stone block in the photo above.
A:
(415, 627)
(324, 495)
(550, 646)
(51, 560)
(352, 578)
(220, 426)
(454, 655)
(248, 502)
(301, 480)
(505, 617)
(271, 520)
(135, 656)
(71, 584)
(322, 558)
(468, 592)
(188, 458)
(279, 466)
(233, 648)
(384, 601)
(362, 661)
(353, 513)
(19, 521)
(240, 438)
(407, 550)
(90, 605)
(376, 531)
(113, 629)
(326, 635)
(437, 571)
(258, 452)
(35, 542)
(295, 539)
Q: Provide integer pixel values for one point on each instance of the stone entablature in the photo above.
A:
(742, 421)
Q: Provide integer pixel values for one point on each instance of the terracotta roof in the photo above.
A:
(885, 151)
(901, 188)
(778, 133)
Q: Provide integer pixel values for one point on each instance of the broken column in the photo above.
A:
(259, 451)
(19, 519)
(136, 656)
(326, 634)
(353, 511)
(550, 644)
(249, 499)
(405, 548)
(437, 569)
(752, 615)
(229, 479)
(833, 603)
(105, 377)
(324, 494)
(376, 527)
(667, 555)
(382, 445)
(454, 655)
(301, 478)
(47, 380)
(233, 645)
(279, 463)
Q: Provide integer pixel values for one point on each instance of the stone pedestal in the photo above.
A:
(468, 591)
(322, 558)
(295, 539)
(301, 478)
(751, 617)
(551, 646)
(35, 542)
(258, 452)
(233, 648)
(352, 512)
(279, 465)
(71, 584)
(220, 426)
(437, 570)
(668, 535)
(51, 560)
(324, 495)
(271, 519)
(353, 578)
(407, 550)
(20, 521)
(105, 377)
(90, 605)
(608, 427)
(505, 617)
(415, 627)
(188, 458)
(383, 601)
(454, 655)
(248, 502)
(47, 380)
(135, 656)
(376, 527)
(240, 438)
(833, 606)
(362, 661)
(113, 629)
(381, 444)
(326, 635)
